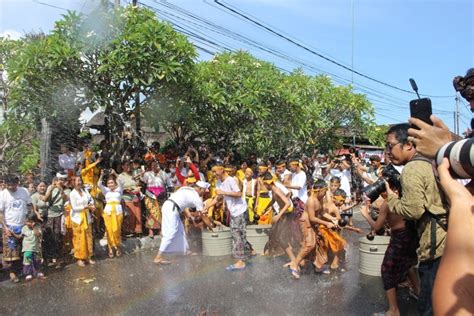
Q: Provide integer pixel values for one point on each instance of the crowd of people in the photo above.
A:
(308, 201)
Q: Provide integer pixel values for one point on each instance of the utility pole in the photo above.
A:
(456, 115)
(352, 51)
(117, 4)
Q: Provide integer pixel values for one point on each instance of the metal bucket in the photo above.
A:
(195, 240)
(217, 243)
(371, 253)
(257, 236)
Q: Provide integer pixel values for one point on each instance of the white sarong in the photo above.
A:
(172, 228)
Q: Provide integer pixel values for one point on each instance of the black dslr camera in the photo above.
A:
(391, 175)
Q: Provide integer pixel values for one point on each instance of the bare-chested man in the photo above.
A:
(249, 188)
(400, 256)
(327, 237)
(283, 234)
(263, 199)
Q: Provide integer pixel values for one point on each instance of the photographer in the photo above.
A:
(420, 201)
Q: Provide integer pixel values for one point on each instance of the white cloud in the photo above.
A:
(12, 34)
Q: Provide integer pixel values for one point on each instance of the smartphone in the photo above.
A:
(421, 109)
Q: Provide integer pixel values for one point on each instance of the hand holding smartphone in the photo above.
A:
(421, 109)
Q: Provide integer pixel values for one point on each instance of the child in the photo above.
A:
(334, 184)
(345, 210)
(31, 248)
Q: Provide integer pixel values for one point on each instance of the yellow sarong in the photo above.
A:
(264, 208)
(113, 225)
(250, 201)
(82, 238)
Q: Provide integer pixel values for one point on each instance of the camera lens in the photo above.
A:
(461, 158)
(374, 190)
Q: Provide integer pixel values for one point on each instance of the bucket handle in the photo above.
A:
(215, 235)
(373, 249)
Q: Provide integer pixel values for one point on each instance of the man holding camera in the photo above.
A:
(421, 202)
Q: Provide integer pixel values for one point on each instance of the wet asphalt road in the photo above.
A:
(133, 285)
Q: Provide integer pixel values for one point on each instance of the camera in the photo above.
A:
(461, 158)
(391, 175)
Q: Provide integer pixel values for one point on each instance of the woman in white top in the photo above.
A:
(81, 204)
(155, 180)
(113, 212)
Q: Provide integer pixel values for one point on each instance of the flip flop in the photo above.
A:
(295, 273)
(233, 268)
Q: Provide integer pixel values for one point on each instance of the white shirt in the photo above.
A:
(153, 179)
(14, 205)
(236, 205)
(67, 161)
(78, 204)
(299, 180)
(187, 197)
(284, 174)
(285, 191)
(112, 196)
(172, 180)
(345, 176)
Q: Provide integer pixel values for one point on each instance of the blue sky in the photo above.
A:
(429, 40)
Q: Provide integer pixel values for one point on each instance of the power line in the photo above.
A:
(183, 16)
(312, 51)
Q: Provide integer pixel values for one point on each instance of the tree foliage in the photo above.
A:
(118, 59)
(243, 103)
(110, 59)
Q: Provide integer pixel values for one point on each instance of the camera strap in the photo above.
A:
(444, 199)
(440, 220)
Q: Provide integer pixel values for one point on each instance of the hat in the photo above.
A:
(321, 156)
(203, 185)
(61, 176)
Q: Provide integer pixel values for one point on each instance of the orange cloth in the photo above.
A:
(332, 240)
(153, 156)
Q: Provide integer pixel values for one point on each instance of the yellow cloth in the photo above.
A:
(250, 201)
(262, 207)
(241, 175)
(332, 240)
(89, 174)
(216, 213)
(82, 238)
(213, 182)
(67, 216)
(153, 220)
(113, 225)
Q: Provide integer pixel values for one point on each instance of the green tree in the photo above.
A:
(110, 59)
(243, 103)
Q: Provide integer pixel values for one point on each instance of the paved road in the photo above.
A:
(132, 285)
